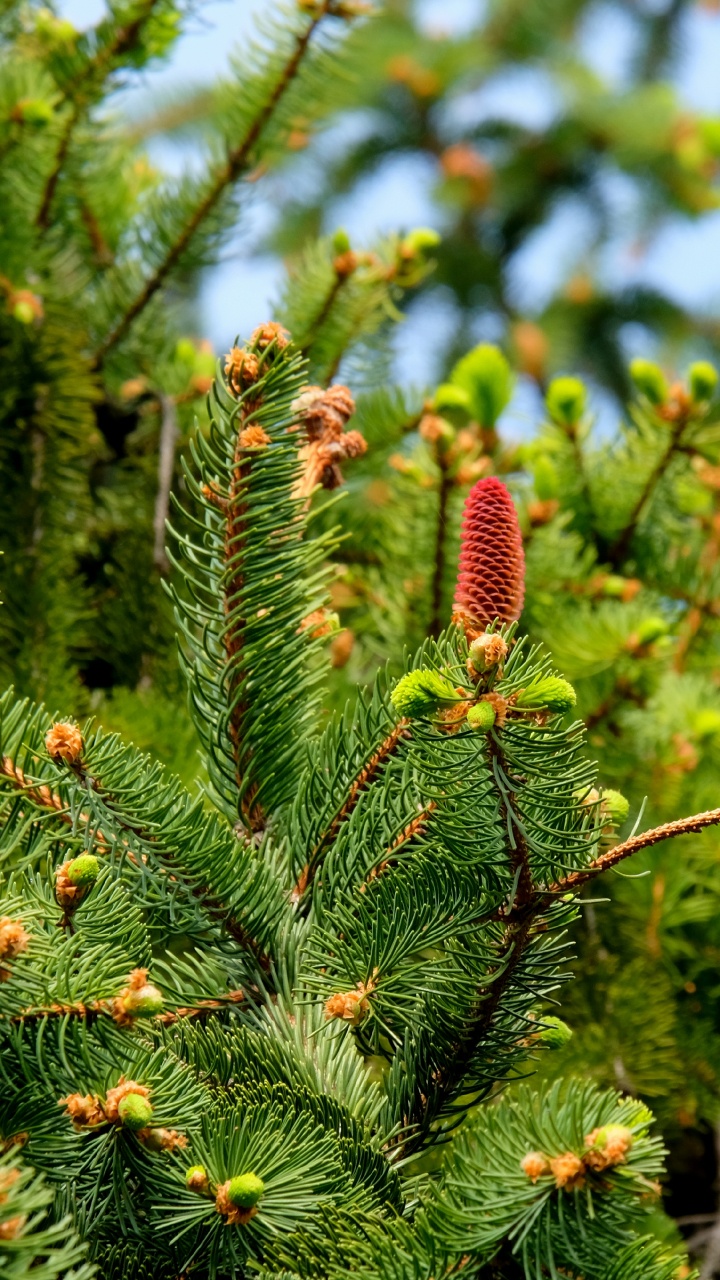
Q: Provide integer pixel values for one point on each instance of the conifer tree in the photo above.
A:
(236, 1029)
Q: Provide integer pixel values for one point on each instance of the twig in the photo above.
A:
(227, 175)
(681, 827)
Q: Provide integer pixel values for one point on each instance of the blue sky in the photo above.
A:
(684, 259)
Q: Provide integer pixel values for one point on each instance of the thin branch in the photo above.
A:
(359, 784)
(91, 1010)
(81, 95)
(228, 174)
(681, 827)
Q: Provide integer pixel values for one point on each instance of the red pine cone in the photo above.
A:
(491, 573)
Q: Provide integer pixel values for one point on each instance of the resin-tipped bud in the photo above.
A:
(550, 694)
(83, 871)
(481, 716)
(702, 380)
(245, 1190)
(566, 400)
(135, 1112)
(649, 380)
(422, 692)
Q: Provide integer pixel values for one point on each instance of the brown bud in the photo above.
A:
(63, 741)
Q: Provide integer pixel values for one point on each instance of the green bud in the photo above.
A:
(485, 375)
(555, 1033)
(702, 380)
(651, 629)
(549, 694)
(135, 1111)
(24, 312)
(706, 723)
(614, 586)
(649, 380)
(453, 402)
(245, 1190)
(341, 241)
(545, 477)
(615, 807)
(33, 111)
(421, 240)
(84, 870)
(185, 350)
(145, 1002)
(481, 716)
(196, 1178)
(422, 692)
(566, 401)
(54, 30)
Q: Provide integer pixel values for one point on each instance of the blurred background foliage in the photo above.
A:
(568, 156)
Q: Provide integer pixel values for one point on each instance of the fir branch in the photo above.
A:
(89, 1011)
(166, 466)
(82, 91)
(439, 566)
(361, 782)
(228, 174)
(680, 827)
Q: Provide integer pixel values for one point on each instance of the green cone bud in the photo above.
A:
(33, 111)
(566, 400)
(145, 1002)
(545, 477)
(421, 692)
(453, 402)
(702, 380)
(555, 1032)
(84, 870)
(245, 1190)
(485, 375)
(421, 240)
(341, 241)
(24, 312)
(481, 716)
(614, 586)
(615, 807)
(649, 380)
(651, 629)
(551, 694)
(135, 1111)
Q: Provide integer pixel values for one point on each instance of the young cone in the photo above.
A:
(491, 573)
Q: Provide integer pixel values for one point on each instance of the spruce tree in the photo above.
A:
(266, 1031)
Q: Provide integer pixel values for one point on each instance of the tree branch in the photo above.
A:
(681, 827)
(228, 174)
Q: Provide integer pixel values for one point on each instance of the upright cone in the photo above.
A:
(491, 573)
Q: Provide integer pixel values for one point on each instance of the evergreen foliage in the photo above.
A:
(244, 1043)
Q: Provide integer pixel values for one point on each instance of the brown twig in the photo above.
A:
(166, 464)
(681, 827)
(93, 1009)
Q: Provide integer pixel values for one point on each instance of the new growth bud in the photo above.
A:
(481, 716)
(196, 1179)
(63, 741)
(702, 380)
(487, 651)
(649, 380)
(83, 871)
(135, 1112)
(555, 1033)
(566, 400)
(245, 1190)
(615, 807)
(550, 694)
(485, 375)
(422, 692)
